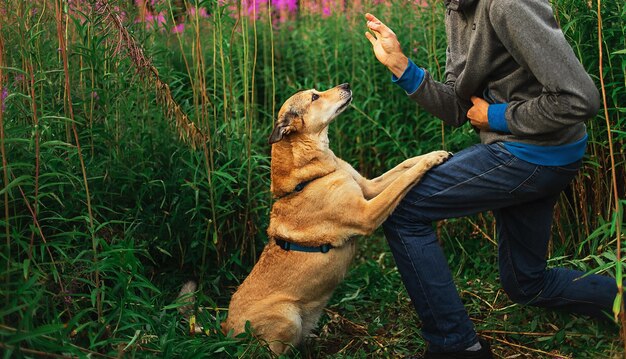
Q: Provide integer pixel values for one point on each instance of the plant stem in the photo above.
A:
(37, 149)
(68, 97)
(613, 173)
(4, 160)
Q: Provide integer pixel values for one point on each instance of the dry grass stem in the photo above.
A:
(519, 346)
(187, 130)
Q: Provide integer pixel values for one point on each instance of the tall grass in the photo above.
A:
(106, 210)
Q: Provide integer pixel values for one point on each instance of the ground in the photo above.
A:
(371, 316)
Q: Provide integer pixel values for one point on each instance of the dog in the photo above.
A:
(321, 204)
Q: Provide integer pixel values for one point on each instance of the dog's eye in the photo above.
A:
(315, 97)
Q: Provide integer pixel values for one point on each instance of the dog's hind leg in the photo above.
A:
(282, 329)
(309, 321)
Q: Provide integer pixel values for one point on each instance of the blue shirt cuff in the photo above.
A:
(497, 120)
(411, 78)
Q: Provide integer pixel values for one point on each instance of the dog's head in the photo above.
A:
(310, 111)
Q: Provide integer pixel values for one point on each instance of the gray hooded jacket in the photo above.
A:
(513, 52)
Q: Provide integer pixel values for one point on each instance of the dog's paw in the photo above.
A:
(438, 157)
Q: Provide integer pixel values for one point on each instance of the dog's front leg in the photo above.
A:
(372, 188)
(373, 212)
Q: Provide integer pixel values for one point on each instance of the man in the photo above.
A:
(512, 75)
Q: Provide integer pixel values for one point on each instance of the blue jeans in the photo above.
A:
(522, 196)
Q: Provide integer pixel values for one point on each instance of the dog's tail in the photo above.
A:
(187, 298)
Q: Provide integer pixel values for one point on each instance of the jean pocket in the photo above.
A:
(500, 152)
(546, 180)
(528, 184)
(569, 169)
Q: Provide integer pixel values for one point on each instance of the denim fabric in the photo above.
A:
(522, 196)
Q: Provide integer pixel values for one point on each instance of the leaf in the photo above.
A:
(164, 251)
(16, 182)
(133, 340)
(14, 69)
(617, 305)
(25, 267)
(34, 333)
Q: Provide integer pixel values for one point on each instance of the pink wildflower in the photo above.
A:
(253, 7)
(178, 29)
(326, 11)
(290, 5)
(3, 96)
(120, 13)
(144, 2)
(155, 21)
(200, 11)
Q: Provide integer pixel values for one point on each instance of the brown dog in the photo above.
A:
(321, 204)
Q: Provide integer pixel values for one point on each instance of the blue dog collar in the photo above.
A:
(290, 246)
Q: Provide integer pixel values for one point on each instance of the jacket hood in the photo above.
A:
(459, 5)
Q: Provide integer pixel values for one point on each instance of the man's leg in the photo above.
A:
(479, 178)
(523, 235)
(473, 180)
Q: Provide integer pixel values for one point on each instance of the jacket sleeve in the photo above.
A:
(529, 32)
(440, 99)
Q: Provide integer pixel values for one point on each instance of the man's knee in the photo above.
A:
(407, 223)
(526, 293)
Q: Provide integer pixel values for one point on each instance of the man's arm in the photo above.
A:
(531, 35)
(435, 97)
(440, 100)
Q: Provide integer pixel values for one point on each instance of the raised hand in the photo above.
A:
(385, 45)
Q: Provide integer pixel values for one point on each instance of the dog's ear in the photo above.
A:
(284, 126)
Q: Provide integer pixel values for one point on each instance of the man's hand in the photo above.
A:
(386, 46)
(478, 114)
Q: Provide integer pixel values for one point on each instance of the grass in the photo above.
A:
(107, 211)
(370, 314)
(372, 318)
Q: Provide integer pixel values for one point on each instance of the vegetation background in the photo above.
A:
(106, 210)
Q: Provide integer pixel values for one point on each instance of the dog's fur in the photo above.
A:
(284, 295)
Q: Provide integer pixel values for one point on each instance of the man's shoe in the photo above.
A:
(483, 353)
